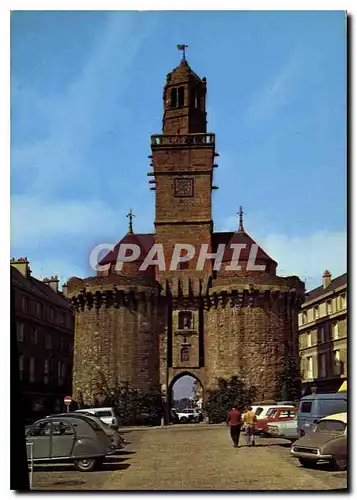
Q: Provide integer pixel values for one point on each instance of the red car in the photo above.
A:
(275, 415)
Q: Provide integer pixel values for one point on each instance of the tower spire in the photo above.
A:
(130, 215)
(183, 47)
(240, 213)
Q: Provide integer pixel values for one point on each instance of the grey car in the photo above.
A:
(327, 442)
(116, 439)
(65, 438)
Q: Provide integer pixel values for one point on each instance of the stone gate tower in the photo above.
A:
(152, 325)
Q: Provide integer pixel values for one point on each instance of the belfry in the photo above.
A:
(151, 326)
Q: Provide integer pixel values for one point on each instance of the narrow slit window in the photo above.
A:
(181, 97)
(173, 98)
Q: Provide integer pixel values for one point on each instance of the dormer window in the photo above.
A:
(177, 97)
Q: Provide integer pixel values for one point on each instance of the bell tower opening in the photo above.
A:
(184, 101)
(183, 162)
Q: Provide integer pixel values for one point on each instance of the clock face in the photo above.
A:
(183, 187)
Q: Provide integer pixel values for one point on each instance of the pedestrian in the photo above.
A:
(234, 420)
(249, 419)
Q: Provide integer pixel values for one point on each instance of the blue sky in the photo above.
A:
(86, 93)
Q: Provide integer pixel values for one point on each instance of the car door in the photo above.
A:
(39, 435)
(62, 439)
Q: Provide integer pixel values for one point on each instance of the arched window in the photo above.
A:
(181, 97)
(185, 320)
(185, 354)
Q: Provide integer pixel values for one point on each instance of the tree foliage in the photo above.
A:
(229, 393)
(130, 404)
(290, 383)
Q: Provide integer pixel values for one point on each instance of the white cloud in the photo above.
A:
(34, 220)
(306, 255)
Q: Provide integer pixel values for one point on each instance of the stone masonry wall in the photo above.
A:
(120, 343)
(248, 342)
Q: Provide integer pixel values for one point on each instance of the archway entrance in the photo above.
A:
(185, 399)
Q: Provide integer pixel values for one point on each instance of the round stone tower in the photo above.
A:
(116, 323)
(251, 320)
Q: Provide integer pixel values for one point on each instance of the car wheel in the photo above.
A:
(184, 420)
(339, 463)
(307, 463)
(86, 464)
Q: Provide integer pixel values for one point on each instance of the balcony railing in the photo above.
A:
(179, 140)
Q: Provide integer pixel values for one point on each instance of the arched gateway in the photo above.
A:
(211, 318)
(199, 393)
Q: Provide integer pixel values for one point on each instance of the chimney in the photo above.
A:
(326, 279)
(22, 265)
(65, 289)
(52, 282)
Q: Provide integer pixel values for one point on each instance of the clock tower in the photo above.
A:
(183, 164)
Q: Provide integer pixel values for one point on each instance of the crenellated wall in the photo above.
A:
(129, 331)
(249, 329)
(115, 335)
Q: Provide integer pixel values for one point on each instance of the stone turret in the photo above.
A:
(115, 333)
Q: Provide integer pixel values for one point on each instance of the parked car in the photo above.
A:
(107, 415)
(116, 439)
(287, 429)
(316, 406)
(174, 416)
(327, 442)
(188, 415)
(262, 410)
(275, 415)
(66, 438)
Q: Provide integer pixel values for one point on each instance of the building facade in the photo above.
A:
(152, 325)
(44, 331)
(323, 335)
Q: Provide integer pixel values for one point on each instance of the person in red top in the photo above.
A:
(234, 420)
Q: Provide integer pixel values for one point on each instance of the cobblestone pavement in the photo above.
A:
(194, 457)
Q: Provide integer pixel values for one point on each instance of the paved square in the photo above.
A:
(194, 457)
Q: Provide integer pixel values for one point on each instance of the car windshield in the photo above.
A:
(331, 426)
(306, 407)
(103, 413)
(259, 410)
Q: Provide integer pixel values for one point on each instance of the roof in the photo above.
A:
(337, 416)
(182, 72)
(36, 287)
(320, 290)
(239, 237)
(144, 241)
(329, 395)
